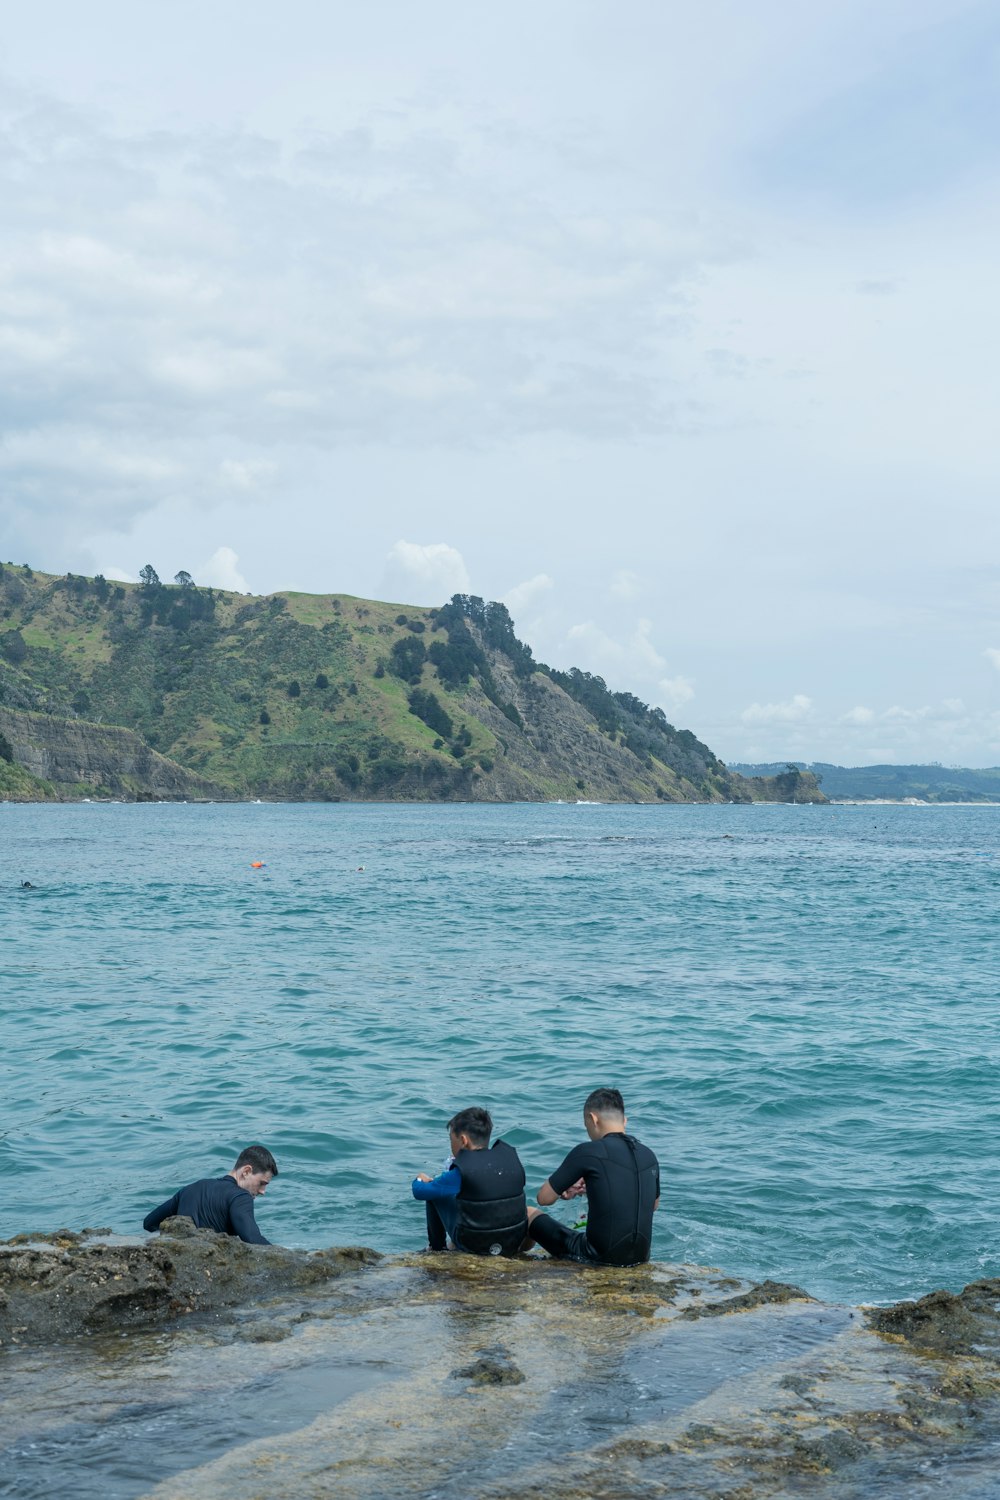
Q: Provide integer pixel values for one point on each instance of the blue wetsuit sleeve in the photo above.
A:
(165, 1211)
(242, 1219)
(446, 1185)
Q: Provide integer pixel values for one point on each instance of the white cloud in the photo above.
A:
(859, 715)
(425, 573)
(790, 712)
(118, 575)
(246, 474)
(221, 572)
(526, 597)
(993, 654)
(631, 664)
(625, 586)
(674, 692)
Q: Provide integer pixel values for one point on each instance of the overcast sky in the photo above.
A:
(674, 326)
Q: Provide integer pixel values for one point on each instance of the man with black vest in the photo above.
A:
(621, 1178)
(478, 1200)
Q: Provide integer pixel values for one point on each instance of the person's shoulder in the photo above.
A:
(500, 1145)
(585, 1149)
(226, 1185)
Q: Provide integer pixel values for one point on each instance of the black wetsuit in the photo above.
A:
(213, 1203)
(623, 1184)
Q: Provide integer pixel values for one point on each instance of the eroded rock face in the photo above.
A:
(946, 1323)
(60, 1285)
(75, 755)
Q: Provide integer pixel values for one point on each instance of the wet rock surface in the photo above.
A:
(335, 1373)
(946, 1322)
(59, 1285)
(492, 1367)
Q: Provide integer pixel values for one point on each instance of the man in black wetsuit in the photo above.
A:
(478, 1200)
(224, 1204)
(621, 1178)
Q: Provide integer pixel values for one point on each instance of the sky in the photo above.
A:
(673, 327)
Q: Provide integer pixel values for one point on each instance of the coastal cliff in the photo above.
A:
(204, 1369)
(326, 697)
(68, 758)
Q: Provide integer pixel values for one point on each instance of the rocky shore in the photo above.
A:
(190, 1365)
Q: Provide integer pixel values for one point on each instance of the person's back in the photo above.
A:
(623, 1184)
(224, 1204)
(492, 1213)
(478, 1200)
(621, 1178)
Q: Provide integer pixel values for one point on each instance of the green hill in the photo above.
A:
(328, 696)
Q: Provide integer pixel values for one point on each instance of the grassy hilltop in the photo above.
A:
(327, 696)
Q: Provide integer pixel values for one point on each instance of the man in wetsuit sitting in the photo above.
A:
(478, 1200)
(621, 1178)
(224, 1204)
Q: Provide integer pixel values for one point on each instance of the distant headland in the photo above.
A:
(930, 783)
(167, 690)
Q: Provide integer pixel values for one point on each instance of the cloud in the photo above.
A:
(221, 572)
(526, 597)
(118, 575)
(790, 712)
(674, 692)
(631, 663)
(859, 715)
(246, 474)
(993, 655)
(427, 574)
(625, 585)
(382, 282)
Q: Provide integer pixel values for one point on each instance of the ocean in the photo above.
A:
(799, 1004)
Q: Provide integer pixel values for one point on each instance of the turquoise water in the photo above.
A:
(799, 1004)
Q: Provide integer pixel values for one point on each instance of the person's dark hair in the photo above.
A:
(604, 1102)
(259, 1158)
(473, 1122)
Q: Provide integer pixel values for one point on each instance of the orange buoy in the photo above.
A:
(257, 864)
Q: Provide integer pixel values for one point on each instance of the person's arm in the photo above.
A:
(165, 1211)
(447, 1184)
(565, 1180)
(242, 1219)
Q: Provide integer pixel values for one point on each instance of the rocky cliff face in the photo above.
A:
(78, 758)
(560, 751)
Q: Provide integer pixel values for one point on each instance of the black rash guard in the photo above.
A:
(623, 1183)
(213, 1203)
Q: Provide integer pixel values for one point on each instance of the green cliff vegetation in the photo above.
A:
(328, 696)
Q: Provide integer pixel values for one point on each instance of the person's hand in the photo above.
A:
(574, 1192)
(421, 1177)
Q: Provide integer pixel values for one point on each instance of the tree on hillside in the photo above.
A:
(148, 577)
(14, 647)
(184, 579)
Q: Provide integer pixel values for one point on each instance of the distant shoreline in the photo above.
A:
(903, 802)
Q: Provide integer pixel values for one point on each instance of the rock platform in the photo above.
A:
(191, 1367)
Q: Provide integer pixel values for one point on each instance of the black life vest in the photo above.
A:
(492, 1215)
